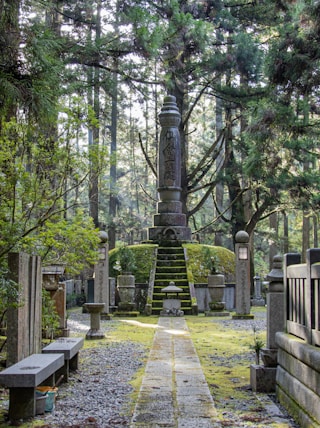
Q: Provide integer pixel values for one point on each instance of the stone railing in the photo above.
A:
(302, 296)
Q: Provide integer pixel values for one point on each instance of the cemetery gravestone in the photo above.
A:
(24, 330)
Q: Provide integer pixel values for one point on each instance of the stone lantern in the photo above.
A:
(242, 276)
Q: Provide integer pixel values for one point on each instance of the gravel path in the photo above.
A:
(98, 394)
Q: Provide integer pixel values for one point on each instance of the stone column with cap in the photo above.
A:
(169, 224)
(275, 311)
(101, 275)
(263, 377)
(243, 304)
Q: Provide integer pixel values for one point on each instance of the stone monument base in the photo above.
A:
(258, 302)
(132, 314)
(172, 313)
(243, 317)
(216, 313)
(105, 316)
(94, 333)
(262, 378)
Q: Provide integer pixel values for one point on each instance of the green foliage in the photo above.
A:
(202, 258)
(125, 262)
(259, 59)
(257, 345)
(143, 256)
(211, 262)
(9, 292)
(34, 188)
(72, 242)
(50, 318)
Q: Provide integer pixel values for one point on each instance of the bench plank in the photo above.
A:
(31, 371)
(22, 379)
(70, 348)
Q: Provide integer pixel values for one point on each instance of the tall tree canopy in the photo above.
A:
(82, 82)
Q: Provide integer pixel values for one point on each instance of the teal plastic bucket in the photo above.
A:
(50, 393)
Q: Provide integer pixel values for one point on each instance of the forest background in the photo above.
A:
(81, 85)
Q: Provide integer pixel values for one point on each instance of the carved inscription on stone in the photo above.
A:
(169, 151)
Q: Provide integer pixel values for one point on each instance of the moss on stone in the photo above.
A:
(198, 261)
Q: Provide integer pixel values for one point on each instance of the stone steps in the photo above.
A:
(171, 266)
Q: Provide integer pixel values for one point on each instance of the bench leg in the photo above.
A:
(22, 403)
(74, 362)
(63, 371)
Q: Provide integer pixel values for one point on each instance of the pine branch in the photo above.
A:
(219, 141)
(147, 158)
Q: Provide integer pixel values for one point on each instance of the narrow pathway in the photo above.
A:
(174, 392)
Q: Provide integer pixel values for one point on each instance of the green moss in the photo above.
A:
(198, 261)
(225, 358)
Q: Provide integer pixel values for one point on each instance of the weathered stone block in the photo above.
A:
(169, 207)
(169, 219)
(275, 317)
(298, 378)
(171, 304)
(262, 379)
(24, 320)
(175, 233)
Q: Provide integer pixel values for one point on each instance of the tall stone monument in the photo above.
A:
(25, 311)
(101, 275)
(169, 224)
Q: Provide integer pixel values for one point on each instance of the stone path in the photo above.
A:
(174, 392)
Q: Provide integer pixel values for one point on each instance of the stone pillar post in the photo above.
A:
(24, 308)
(242, 276)
(263, 378)
(101, 274)
(275, 304)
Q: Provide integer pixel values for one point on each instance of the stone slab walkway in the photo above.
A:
(174, 392)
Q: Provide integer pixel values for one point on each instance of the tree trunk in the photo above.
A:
(219, 191)
(9, 49)
(94, 131)
(113, 165)
(273, 247)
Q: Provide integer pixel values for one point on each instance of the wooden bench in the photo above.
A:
(22, 379)
(70, 347)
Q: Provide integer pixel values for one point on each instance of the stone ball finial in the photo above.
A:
(103, 236)
(242, 237)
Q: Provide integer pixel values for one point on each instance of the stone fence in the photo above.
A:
(298, 370)
(302, 288)
(203, 296)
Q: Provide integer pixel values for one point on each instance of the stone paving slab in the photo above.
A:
(174, 392)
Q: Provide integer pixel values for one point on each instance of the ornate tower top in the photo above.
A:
(169, 222)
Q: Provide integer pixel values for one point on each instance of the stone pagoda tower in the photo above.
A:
(169, 224)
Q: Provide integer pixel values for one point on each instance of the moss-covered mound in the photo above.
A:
(201, 260)
(205, 259)
(144, 258)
